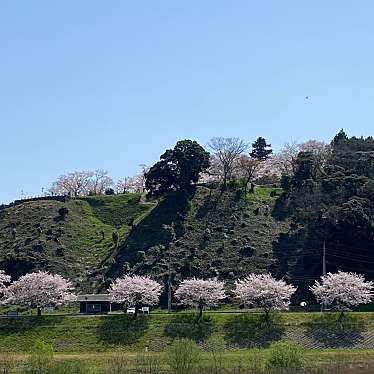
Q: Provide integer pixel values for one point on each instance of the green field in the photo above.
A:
(85, 334)
(101, 344)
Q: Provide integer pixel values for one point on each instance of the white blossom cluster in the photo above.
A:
(39, 290)
(200, 293)
(342, 290)
(4, 279)
(135, 290)
(263, 291)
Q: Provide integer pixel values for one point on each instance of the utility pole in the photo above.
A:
(324, 258)
(172, 238)
(169, 282)
(323, 264)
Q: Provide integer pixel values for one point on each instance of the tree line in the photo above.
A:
(189, 163)
(328, 195)
(340, 291)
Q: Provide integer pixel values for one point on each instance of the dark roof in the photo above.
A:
(92, 297)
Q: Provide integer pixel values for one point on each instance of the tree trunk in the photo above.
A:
(248, 179)
(200, 316)
(224, 187)
(136, 313)
(267, 316)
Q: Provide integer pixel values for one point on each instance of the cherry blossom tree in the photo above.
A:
(214, 173)
(286, 158)
(99, 182)
(135, 291)
(246, 170)
(74, 184)
(135, 183)
(268, 171)
(39, 290)
(130, 184)
(342, 291)
(227, 150)
(265, 292)
(4, 279)
(200, 293)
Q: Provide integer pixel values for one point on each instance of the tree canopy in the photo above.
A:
(261, 150)
(342, 291)
(39, 290)
(178, 168)
(201, 293)
(329, 199)
(265, 292)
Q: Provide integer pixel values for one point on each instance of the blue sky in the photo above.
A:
(110, 84)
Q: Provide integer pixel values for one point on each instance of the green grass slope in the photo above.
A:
(157, 331)
(33, 235)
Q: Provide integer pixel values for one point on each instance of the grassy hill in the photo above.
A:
(216, 234)
(82, 334)
(34, 236)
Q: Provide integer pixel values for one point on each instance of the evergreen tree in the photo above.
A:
(340, 137)
(178, 168)
(261, 150)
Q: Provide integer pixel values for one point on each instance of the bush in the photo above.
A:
(109, 191)
(41, 358)
(216, 348)
(185, 326)
(7, 363)
(182, 356)
(63, 212)
(69, 367)
(285, 355)
(148, 364)
(117, 363)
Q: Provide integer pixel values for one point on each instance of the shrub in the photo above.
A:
(69, 367)
(117, 363)
(182, 356)
(41, 358)
(109, 191)
(216, 347)
(185, 326)
(285, 355)
(115, 238)
(63, 212)
(7, 363)
(147, 364)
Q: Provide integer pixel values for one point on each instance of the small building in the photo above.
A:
(94, 304)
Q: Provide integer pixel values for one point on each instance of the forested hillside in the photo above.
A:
(206, 234)
(197, 214)
(330, 202)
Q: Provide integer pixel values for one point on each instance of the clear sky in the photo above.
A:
(110, 84)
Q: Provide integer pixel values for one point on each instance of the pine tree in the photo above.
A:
(261, 150)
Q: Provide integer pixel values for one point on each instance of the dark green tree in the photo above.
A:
(306, 169)
(331, 205)
(340, 137)
(109, 191)
(178, 168)
(261, 150)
